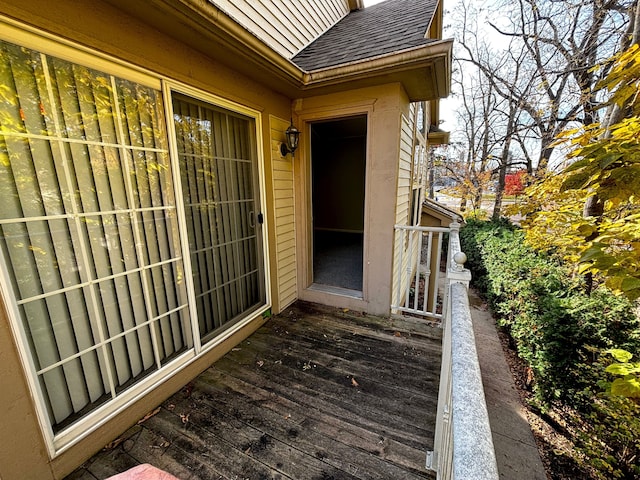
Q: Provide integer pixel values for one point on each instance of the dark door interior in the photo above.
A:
(338, 159)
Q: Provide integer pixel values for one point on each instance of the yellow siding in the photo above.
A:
(284, 218)
(287, 26)
(403, 201)
(402, 257)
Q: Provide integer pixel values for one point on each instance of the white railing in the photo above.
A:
(463, 445)
(419, 259)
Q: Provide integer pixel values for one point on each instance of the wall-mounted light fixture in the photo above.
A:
(291, 135)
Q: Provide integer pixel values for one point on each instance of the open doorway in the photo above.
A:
(338, 166)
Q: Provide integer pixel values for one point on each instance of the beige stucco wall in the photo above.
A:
(23, 454)
(384, 107)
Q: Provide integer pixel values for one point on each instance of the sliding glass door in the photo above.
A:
(218, 172)
(88, 229)
(91, 261)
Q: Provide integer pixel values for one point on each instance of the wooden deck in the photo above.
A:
(316, 393)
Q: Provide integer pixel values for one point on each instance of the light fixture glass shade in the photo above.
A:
(292, 136)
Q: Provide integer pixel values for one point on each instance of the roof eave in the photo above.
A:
(424, 71)
(438, 138)
(444, 212)
(210, 30)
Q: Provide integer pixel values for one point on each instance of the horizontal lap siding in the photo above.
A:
(403, 205)
(284, 224)
(403, 201)
(285, 25)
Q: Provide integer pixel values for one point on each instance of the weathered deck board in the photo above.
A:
(316, 393)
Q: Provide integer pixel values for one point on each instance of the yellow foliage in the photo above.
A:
(607, 165)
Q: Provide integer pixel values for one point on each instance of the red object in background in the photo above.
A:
(514, 183)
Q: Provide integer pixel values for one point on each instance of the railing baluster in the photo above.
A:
(409, 274)
(427, 277)
(410, 252)
(396, 305)
(416, 290)
(436, 278)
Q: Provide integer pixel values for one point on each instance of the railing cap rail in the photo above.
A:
(422, 228)
(473, 450)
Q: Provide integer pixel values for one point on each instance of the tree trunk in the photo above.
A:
(463, 203)
(497, 206)
(593, 207)
(543, 162)
(477, 201)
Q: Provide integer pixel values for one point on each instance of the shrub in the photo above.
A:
(555, 326)
(608, 435)
(561, 333)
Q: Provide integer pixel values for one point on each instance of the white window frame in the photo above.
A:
(48, 44)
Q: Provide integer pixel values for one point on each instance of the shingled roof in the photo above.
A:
(381, 29)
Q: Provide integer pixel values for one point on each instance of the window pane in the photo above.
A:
(218, 164)
(88, 229)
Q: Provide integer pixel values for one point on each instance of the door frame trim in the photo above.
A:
(307, 290)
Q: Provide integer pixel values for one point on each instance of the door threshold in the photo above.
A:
(344, 292)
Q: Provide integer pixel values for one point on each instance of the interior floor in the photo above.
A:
(337, 259)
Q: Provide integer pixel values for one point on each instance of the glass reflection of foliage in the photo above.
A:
(217, 163)
(88, 229)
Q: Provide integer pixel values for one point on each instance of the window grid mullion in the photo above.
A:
(77, 221)
(109, 340)
(217, 288)
(135, 224)
(70, 216)
(90, 143)
(97, 281)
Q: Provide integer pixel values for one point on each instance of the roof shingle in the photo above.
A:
(385, 28)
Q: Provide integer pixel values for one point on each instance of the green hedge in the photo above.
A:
(556, 328)
(560, 332)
